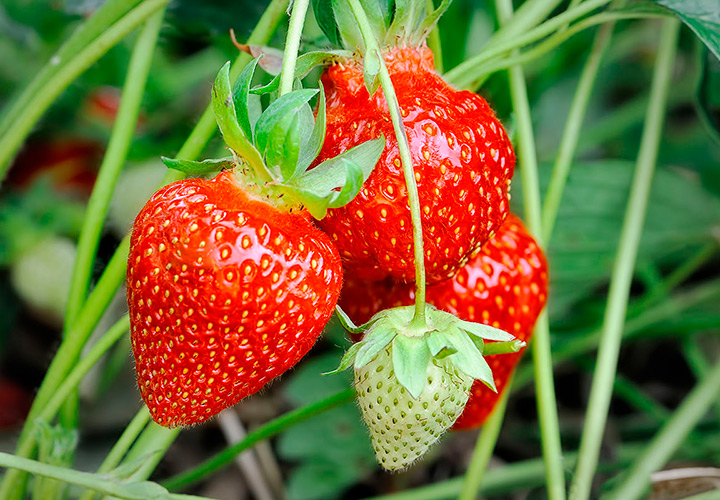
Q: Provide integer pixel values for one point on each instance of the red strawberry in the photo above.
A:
(463, 162)
(226, 292)
(504, 286)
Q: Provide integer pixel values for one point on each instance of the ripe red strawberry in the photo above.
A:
(229, 283)
(504, 286)
(226, 292)
(463, 162)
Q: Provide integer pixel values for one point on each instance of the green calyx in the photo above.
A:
(394, 22)
(446, 338)
(274, 149)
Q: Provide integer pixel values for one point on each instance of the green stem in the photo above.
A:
(113, 335)
(118, 146)
(662, 447)
(102, 484)
(371, 45)
(150, 447)
(484, 447)
(557, 39)
(13, 483)
(264, 432)
(656, 315)
(465, 73)
(102, 18)
(59, 81)
(573, 125)
(433, 40)
(292, 45)
(523, 475)
(680, 274)
(115, 156)
(542, 359)
(114, 273)
(601, 390)
(129, 435)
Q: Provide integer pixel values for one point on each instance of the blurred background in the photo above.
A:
(673, 319)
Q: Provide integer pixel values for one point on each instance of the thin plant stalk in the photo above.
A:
(21, 126)
(662, 447)
(372, 47)
(573, 125)
(621, 278)
(266, 431)
(433, 40)
(540, 346)
(292, 45)
(114, 273)
(104, 17)
(484, 447)
(73, 379)
(555, 40)
(103, 484)
(113, 162)
(499, 45)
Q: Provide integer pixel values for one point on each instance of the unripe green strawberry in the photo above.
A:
(385, 403)
(413, 378)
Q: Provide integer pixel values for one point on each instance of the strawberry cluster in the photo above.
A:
(230, 282)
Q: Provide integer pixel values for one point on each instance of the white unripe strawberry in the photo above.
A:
(413, 381)
(402, 427)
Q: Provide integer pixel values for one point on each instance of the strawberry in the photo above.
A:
(229, 283)
(462, 158)
(226, 292)
(413, 381)
(504, 286)
(384, 401)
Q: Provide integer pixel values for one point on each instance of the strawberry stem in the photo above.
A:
(114, 274)
(371, 45)
(292, 44)
(601, 389)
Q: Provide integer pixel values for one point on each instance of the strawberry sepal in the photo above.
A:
(413, 383)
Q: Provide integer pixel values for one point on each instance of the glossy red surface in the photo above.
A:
(225, 294)
(504, 286)
(462, 159)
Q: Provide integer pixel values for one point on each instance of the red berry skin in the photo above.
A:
(505, 285)
(462, 158)
(225, 293)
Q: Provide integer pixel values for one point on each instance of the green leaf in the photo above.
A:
(241, 94)
(439, 345)
(304, 64)
(283, 146)
(468, 358)
(347, 25)
(371, 71)
(346, 322)
(354, 179)
(335, 182)
(276, 125)
(372, 345)
(347, 359)
(708, 94)
(325, 18)
(311, 148)
(410, 360)
(198, 168)
(484, 331)
(328, 176)
(224, 109)
(701, 16)
(493, 348)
